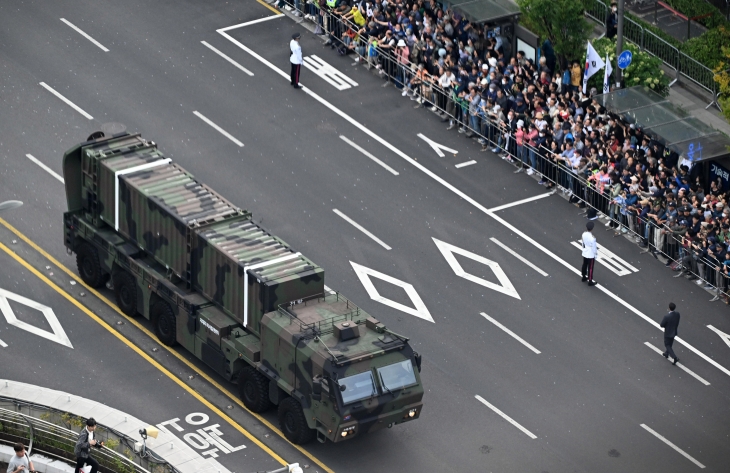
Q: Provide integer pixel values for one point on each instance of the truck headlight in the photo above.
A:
(344, 434)
(412, 413)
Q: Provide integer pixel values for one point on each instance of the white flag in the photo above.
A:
(594, 63)
(607, 76)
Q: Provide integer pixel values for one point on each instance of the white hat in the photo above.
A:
(401, 43)
(485, 66)
(493, 62)
(484, 81)
(520, 123)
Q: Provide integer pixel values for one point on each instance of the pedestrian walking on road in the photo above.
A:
(83, 445)
(590, 251)
(295, 59)
(670, 322)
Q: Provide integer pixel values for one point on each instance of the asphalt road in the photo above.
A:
(578, 405)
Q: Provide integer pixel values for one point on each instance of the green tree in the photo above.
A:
(560, 21)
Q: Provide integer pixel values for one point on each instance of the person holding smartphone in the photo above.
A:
(83, 446)
(20, 463)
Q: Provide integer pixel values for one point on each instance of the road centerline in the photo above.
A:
(518, 256)
(64, 99)
(510, 332)
(217, 128)
(663, 439)
(362, 229)
(221, 54)
(45, 168)
(366, 153)
(680, 365)
(505, 417)
(85, 35)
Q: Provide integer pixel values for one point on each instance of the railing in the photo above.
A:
(322, 326)
(38, 426)
(649, 42)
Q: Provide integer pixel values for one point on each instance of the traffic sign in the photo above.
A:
(624, 59)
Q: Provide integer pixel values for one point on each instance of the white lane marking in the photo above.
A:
(44, 167)
(510, 332)
(217, 128)
(680, 365)
(361, 228)
(3, 344)
(329, 74)
(82, 33)
(506, 417)
(420, 309)
(523, 201)
(505, 285)
(518, 256)
(466, 163)
(327, 289)
(227, 58)
(437, 146)
(608, 259)
(253, 22)
(451, 187)
(68, 102)
(366, 153)
(725, 337)
(57, 333)
(681, 452)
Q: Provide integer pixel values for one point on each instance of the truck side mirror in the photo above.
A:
(417, 357)
(317, 388)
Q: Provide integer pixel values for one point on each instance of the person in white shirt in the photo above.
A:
(590, 251)
(20, 463)
(295, 59)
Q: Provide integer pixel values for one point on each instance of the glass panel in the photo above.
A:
(358, 387)
(397, 375)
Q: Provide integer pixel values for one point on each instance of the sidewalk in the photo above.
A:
(173, 450)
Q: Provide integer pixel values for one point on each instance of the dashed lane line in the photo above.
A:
(82, 33)
(217, 128)
(510, 332)
(663, 439)
(64, 99)
(681, 366)
(505, 417)
(518, 256)
(45, 168)
(227, 58)
(464, 164)
(369, 155)
(361, 228)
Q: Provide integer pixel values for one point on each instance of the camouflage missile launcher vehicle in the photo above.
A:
(240, 299)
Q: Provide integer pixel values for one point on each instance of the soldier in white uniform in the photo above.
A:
(295, 59)
(590, 251)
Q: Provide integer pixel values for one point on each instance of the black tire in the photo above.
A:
(89, 266)
(125, 290)
(164, 322)
(253, 387)
(293, 423)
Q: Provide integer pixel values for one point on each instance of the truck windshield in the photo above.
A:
(397, 375)
(357, 387)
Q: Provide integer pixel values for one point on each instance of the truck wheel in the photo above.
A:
(164, 322)
(293, 423)
(253, 387)
(125, 288)
(87, 262)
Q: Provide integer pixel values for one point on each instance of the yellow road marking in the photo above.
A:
(141, 327)
(270, 8)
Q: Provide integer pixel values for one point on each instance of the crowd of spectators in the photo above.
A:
(535, 115)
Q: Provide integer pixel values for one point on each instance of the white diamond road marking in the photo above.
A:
(437, 146)
(364, 273)
(505, 285)
(331, 75)
(609, 259)
(58, 335)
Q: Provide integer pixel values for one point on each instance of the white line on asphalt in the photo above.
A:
(725, 337)
(361, 228)
(510, 332)
(328, 290)
(523, 201)
(680, 365)
(241, 25)
(365, 152)
(518, 256)
(455, 190)
(219, 129)
(46, 168)
(465, 163)
(227, 58)
(506, 417)
(3, 344)
(68, 102)
(82, 33)
(681, 452)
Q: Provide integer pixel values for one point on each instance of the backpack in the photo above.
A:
(566, 77)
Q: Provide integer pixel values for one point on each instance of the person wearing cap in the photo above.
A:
(295, 59)
(590, 251)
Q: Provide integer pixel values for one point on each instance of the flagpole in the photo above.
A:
(619, 38)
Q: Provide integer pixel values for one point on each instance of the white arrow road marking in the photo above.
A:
(365, 273)
(437, 146)
(725, 337)
(609, 259)
(58, 335)
(505, 285)
(680, 365)
(329, 74)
